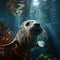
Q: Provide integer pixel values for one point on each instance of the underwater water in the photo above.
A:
(47, 12)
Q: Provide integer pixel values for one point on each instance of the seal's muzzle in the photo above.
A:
(36, 29)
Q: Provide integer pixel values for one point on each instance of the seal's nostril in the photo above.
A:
(36, 24)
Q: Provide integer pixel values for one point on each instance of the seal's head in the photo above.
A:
(31, 27)
(28, 33)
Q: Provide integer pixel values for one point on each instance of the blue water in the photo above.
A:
(45, 11)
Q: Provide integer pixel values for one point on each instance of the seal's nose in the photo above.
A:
(37, 25)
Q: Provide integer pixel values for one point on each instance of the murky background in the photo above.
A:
(47, 12)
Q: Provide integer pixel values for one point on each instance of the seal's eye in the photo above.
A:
(27, 24)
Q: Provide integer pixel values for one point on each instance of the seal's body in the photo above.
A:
(25, 38)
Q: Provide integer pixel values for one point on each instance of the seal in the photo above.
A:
(25, 40)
